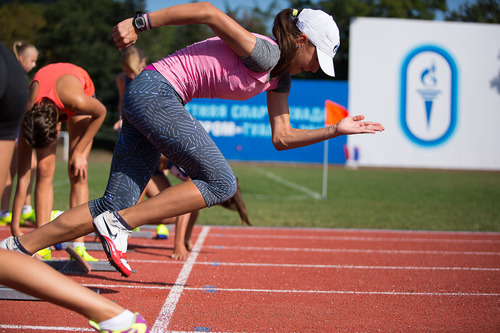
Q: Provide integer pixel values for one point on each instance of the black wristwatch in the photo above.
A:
(139, 22)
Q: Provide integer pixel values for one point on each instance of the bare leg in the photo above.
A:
(44, 190)
(173, 201)
(156, 185)
(71, 224)
(180, 251)
(189, 230)
(17, 271)
(176, 200)
(7, 152)
(79, 192)
(183, 231)
(27, 202)
(79, 195)
(7, 191)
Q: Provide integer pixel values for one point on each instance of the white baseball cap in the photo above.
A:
(323, 32)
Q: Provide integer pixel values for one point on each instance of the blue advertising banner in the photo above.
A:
(242, 131)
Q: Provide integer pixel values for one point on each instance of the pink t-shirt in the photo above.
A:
(211, 69)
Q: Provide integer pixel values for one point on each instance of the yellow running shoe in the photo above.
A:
(5, 219)
(162, 232)
(138, 326)
(28, 216)
(82, 251)
(46, 254)
(55, 213)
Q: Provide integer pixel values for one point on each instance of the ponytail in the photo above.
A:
(132, 58)
(20, 48)
(285, 32)
(40, 124)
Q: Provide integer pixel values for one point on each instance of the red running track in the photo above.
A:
(242, 279)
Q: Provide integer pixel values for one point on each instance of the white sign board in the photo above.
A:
(435, 86)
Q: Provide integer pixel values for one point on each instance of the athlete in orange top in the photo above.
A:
(59, 92)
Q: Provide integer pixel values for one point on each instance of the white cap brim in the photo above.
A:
(326, 63)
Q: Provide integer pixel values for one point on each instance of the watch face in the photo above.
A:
(140, 23)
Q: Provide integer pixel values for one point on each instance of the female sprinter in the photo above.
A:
(236, 64)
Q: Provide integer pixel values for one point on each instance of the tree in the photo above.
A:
(343, 11)
(256, 19)
(21, 22)
(79, 32)
(483, 11)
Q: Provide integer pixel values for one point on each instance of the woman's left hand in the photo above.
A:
(356, 125)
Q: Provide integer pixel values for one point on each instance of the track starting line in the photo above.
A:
(76, 265)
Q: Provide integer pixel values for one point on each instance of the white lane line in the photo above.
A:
(290, 184)
(294, 291)
(299, 249)
(168, 308)
(348, 292)
(24, 328)
(358, 239)
(414, 268)
(365, 231)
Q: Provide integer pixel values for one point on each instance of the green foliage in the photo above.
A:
(21, 22)
(343, 11)
(79, 32)
(483, 11)
(258, 20)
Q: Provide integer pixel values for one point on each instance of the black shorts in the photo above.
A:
(13, 94)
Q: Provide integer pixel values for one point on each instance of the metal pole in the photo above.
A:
(325, 169)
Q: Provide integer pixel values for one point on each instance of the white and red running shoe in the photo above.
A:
(114, 237)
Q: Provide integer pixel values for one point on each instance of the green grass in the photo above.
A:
(364, 198)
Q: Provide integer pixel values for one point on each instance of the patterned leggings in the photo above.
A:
(155, 122)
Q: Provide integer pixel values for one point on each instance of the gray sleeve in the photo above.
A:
(264, 56)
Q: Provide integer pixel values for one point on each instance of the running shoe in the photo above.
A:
(46, 253)
(28, 217)
(82, 251)
(55, 214)
(114, 237)
(139, 326)
(162, 232)
(5, 218)
(9, 244)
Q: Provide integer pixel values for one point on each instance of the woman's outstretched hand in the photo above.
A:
(124, 34)
(356, 125)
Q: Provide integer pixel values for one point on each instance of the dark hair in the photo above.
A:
(285, 32)
(40, 124)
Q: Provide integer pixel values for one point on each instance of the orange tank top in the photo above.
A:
(47, 77)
